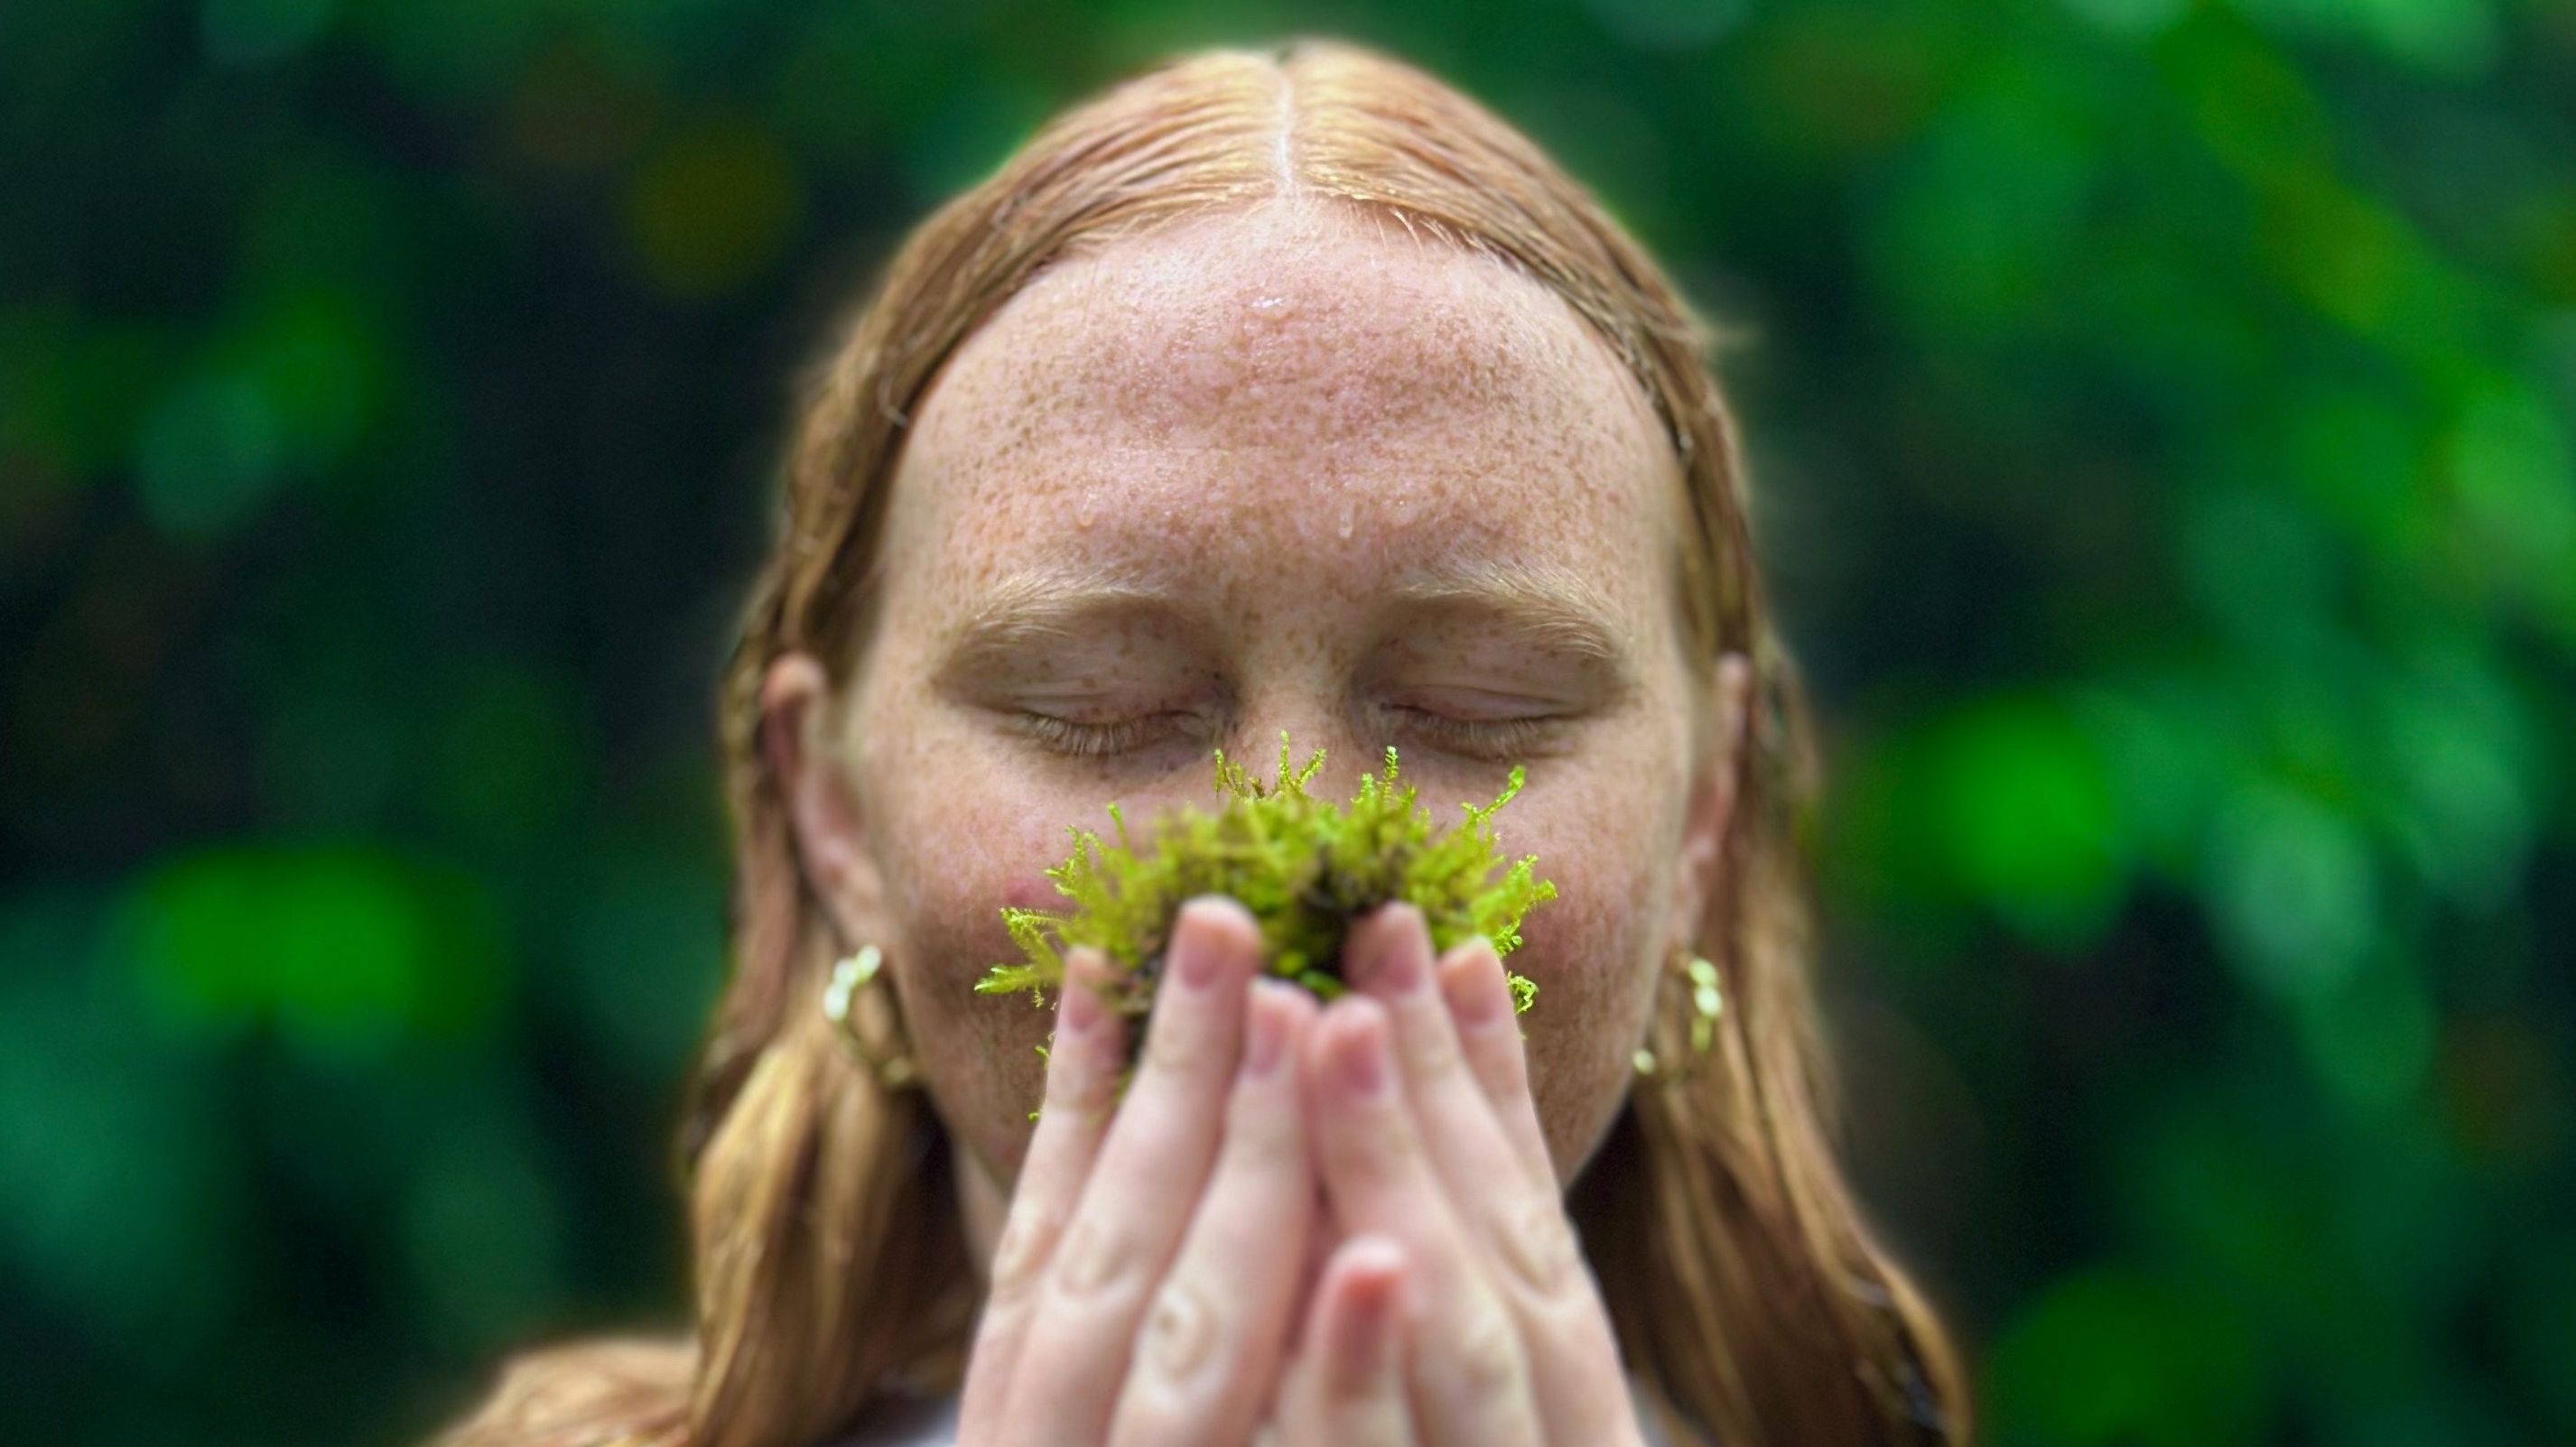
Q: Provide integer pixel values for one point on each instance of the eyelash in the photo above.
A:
(1473, 737)
(1084, 740)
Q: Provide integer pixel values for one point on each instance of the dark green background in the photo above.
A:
(2163, 413)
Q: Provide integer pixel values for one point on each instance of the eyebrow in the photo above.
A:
(1034, 609)
(1563, 612)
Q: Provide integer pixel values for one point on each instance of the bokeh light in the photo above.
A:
(2161, 411)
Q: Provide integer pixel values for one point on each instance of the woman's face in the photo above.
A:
(1291, 470)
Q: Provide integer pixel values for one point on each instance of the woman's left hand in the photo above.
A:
(1457, 1308)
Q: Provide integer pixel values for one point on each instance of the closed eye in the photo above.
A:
(1091, 740)
(1483, 738)
(1492, 739)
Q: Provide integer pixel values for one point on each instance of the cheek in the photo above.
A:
(1593, 951)
(957, 846)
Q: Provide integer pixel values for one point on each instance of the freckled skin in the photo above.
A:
(1275, 413)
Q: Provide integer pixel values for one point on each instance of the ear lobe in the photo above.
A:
(822, 807)
(1712, 803)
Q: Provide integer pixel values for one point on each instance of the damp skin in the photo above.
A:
(1257, 472)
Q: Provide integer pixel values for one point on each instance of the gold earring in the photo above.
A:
(891, 1064)
(1704, 1002)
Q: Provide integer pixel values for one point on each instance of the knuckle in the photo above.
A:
(1433, 1053)
(1096, 1260)
(1179, 1336)
(1538, 1248)
(1022, 1252)
(1171, 1046)
(1170, 1380)
(1485, 1352)
(1085, 1086)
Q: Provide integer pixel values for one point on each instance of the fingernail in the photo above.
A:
(1474, 988)
(1193, 946)
(1078, 1006)
(1397, 942)
(1360, 1055)
(1372, 1332)
(1266, 1028)
(1372, 1281)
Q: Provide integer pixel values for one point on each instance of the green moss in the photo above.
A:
(1307, 869)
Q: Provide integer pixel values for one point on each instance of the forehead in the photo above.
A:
(1295, 400)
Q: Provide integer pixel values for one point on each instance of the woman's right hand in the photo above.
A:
(1149, 1270)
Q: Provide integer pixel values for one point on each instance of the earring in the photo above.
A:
(891, 1064)
(1704, 1002)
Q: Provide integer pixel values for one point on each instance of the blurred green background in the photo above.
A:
(2163, 411)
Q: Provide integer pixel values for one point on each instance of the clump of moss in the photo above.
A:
(1306, 869)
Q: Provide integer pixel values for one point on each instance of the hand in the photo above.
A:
(1147, 1272)
(1459, 1310)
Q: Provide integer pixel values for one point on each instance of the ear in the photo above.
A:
(1697, 879)
(823, 808)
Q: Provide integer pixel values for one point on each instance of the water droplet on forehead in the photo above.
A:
(1349, 519)
(1086, 507)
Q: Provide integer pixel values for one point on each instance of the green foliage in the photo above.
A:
(2163, 417)
(1305, 868)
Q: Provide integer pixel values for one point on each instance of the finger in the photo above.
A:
(1209, 1349)
(1146, 1178)
(1320, 1244)
(1479, 997)
(1347, 1386)
(1467, 1372)
(1083, 1061)
(1390, 960)
(1573, 1356)
(1516, 1220)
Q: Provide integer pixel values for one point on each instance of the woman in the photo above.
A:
(1278, 392)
